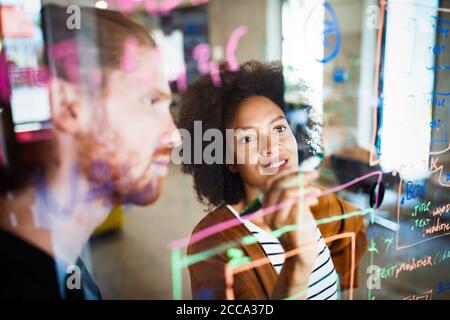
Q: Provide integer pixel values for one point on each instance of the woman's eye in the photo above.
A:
(246, 139)
(280, 129)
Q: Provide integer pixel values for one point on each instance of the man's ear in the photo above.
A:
(65, 106)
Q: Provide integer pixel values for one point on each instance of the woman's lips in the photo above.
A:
(275, 163)
(278, 164)
(274, 166)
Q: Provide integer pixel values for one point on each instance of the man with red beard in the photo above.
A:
(110, 145)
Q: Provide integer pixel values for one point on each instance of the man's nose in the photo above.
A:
(171, 137)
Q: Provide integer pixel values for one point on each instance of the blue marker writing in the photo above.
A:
(330, 29)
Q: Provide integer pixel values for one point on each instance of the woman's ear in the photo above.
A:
(65, 105)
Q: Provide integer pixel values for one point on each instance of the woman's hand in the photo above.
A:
(295, 191)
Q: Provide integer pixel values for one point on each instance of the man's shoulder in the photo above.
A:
(27, 272)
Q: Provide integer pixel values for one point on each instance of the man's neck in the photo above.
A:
(54, 217)
(16, 218)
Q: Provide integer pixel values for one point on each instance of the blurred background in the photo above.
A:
(376, 72)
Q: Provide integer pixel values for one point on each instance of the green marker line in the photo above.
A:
(189, 260)
(177, 282)
(178, 263)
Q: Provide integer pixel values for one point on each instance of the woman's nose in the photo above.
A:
(268, 145)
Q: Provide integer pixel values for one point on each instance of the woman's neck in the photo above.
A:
(251, 194)
(249, 197)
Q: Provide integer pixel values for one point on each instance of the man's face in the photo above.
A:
(127, 149)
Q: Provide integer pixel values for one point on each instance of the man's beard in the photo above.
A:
(110, 176)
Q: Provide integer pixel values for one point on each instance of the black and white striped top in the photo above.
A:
(323, 280)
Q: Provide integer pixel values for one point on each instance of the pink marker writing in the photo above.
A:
(66, 52)
(215, 74)
(232, 45)
(127, 6)
(182, 80)
(153, 6)
(202, 54)
(128, 61)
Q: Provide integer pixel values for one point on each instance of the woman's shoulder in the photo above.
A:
(331, 204)
(217, 215)
(335, 215)
(212, 230)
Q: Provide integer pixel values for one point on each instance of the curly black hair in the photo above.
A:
(215, 184)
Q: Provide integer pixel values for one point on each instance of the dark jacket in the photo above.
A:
(31, 274)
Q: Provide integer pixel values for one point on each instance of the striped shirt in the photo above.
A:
(323, 280)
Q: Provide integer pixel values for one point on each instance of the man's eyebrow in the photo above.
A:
(271, 121)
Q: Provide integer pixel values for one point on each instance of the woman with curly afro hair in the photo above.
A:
(263, 174)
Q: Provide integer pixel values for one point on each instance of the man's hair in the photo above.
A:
(101, 40)
(215, 107)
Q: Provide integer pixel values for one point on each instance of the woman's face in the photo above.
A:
(264, 143)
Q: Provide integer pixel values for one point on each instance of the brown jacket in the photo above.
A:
(208, 276)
